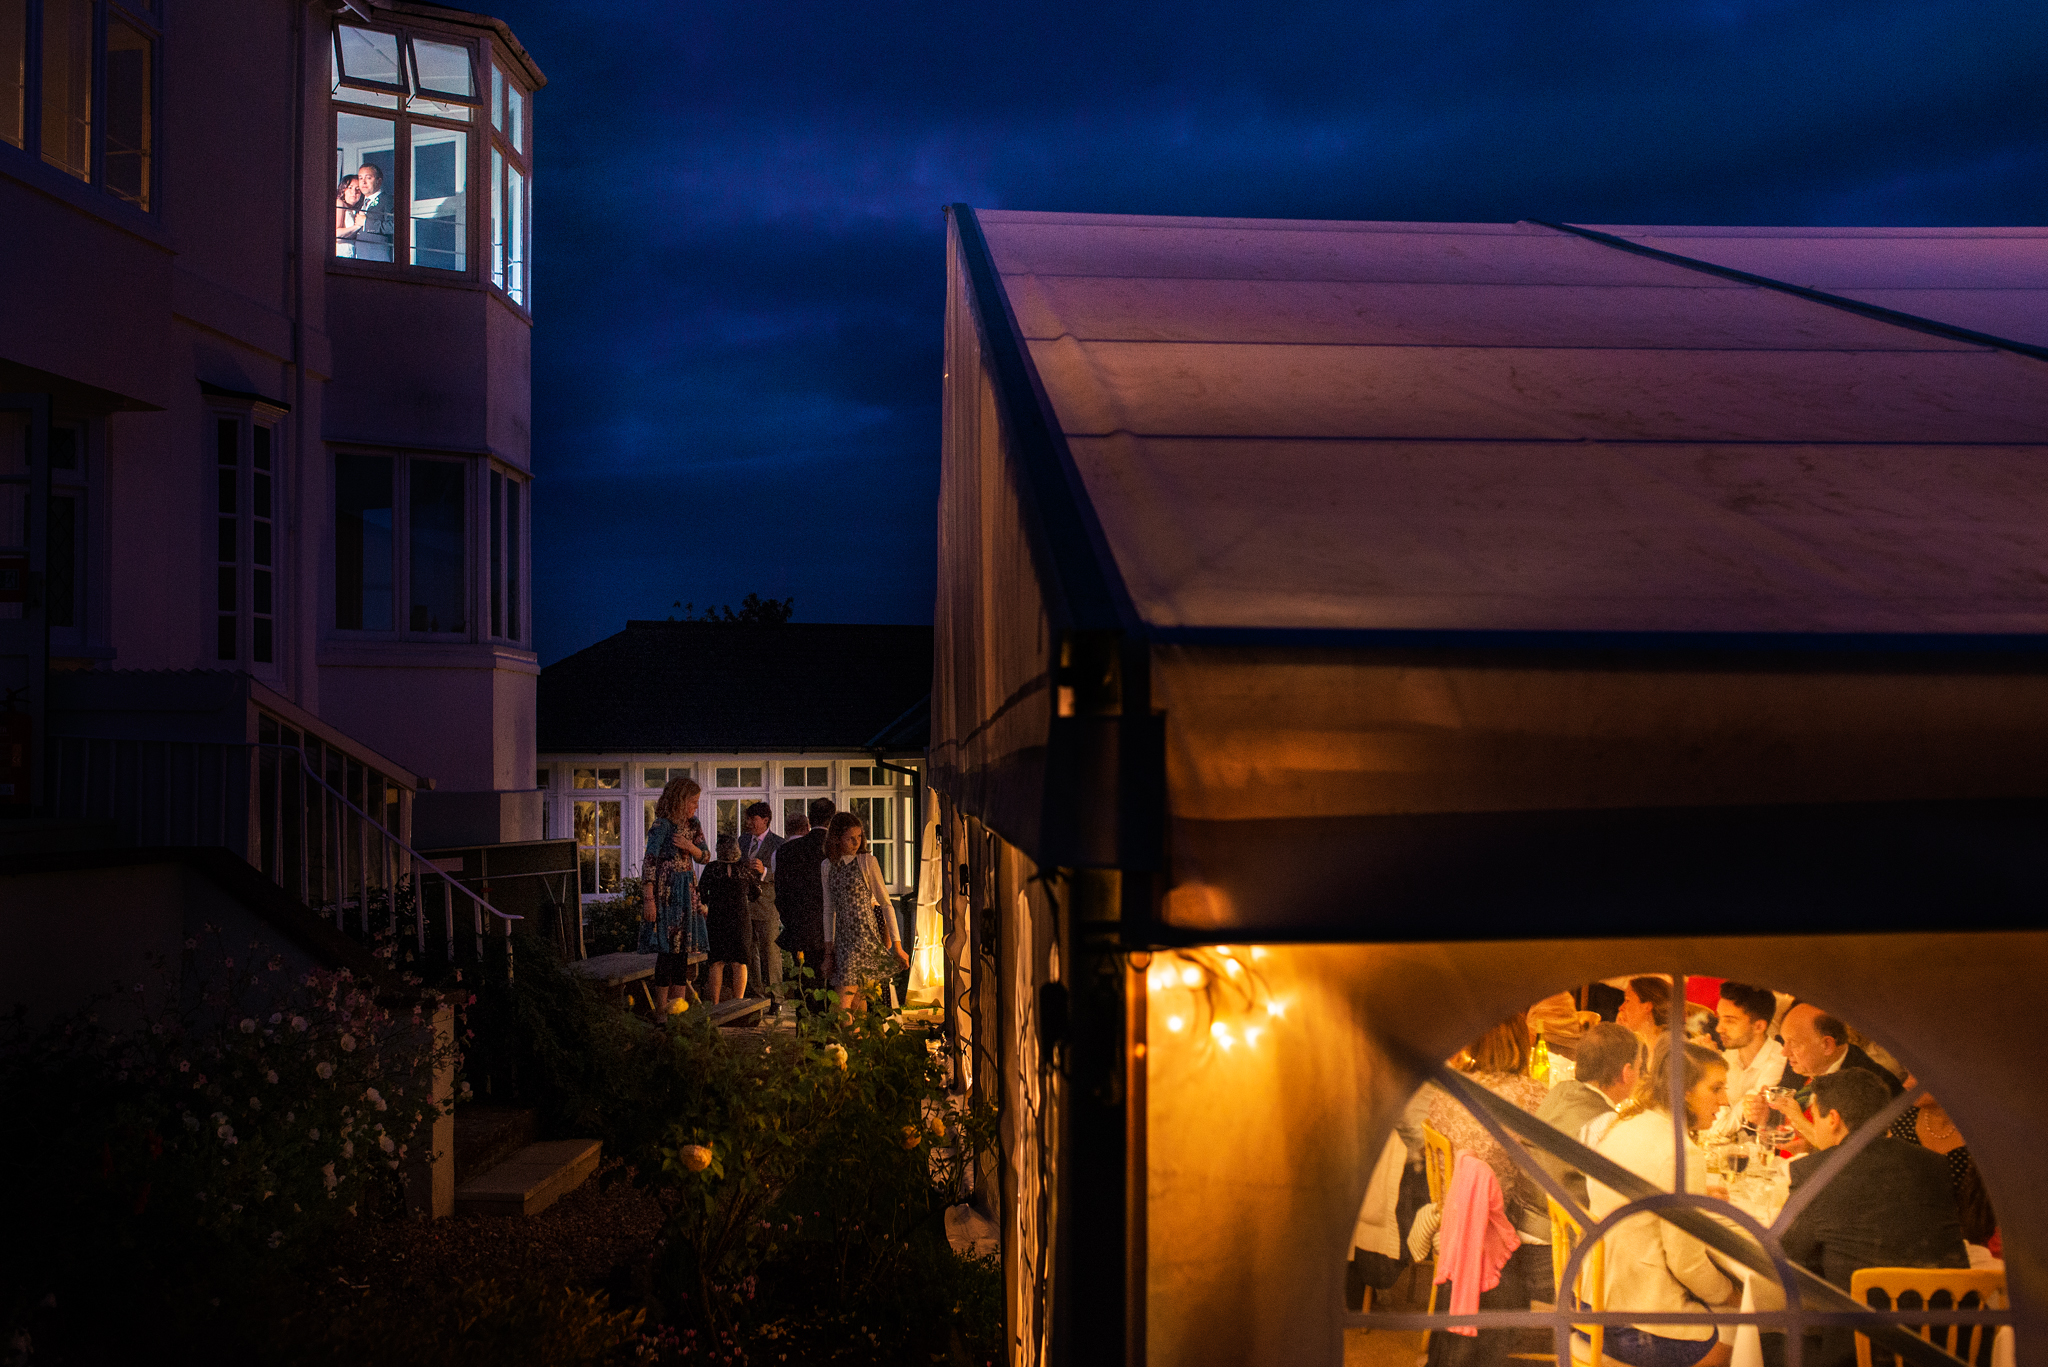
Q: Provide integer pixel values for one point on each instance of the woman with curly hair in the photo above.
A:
(671, 923)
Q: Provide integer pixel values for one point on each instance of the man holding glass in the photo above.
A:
(1816, 1045)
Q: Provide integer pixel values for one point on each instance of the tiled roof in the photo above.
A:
(670, 687)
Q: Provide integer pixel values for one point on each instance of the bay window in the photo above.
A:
(408, 559)
(78, 90)
(404, 104)
(409, 145)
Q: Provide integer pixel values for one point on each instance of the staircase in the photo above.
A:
(500, 1169)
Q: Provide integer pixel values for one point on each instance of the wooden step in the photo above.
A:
(744, 1011)
(530, 1180)
(486, 1136)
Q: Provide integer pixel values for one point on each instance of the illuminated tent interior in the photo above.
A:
(1458, 613)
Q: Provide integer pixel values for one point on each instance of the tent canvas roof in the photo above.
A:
(1458, 552)
(1515, 428)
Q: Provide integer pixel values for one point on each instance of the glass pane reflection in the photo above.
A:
(440, 186)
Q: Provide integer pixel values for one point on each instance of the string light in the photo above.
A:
(1176, 1024)
(1213, 992)
(1191, 976)
(1221, 1034)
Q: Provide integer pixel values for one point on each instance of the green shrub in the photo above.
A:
(613, 927)
(190, 1146)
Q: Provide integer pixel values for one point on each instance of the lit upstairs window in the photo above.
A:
(511, 171)
(78, 88)
(404, 109)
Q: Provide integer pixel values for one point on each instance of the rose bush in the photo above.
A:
(183, 1141)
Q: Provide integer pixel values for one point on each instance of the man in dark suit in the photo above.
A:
(1604, 1075)
(757, 848)
(1892, 1206)
(800, 895)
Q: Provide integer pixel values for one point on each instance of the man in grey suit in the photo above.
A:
(757, 847)
(1605, 1075)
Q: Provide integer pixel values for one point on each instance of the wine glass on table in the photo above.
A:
(1777, 1127)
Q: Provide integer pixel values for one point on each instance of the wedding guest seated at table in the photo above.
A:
(1816, 1045)
(1891, 1206)
(1755, 1060)
(1653, 1266)
(1646, 1009)
(1499, 1062)
(1606, 1077)
(1927, 1125)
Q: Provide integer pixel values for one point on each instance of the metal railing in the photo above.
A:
(269, 804)
(358, 863)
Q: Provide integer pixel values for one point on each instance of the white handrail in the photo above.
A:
(419, 861)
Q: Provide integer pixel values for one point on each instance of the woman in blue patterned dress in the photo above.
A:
(671, 923)
(862, 944)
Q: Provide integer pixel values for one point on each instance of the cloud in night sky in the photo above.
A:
(738, 246)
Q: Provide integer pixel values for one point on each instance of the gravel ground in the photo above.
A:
(590, 1238)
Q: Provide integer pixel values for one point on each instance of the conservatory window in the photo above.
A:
(806, 775)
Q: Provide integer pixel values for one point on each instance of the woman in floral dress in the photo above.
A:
(862, 944)
(671, 923)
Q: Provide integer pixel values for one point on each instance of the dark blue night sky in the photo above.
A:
(739, 249)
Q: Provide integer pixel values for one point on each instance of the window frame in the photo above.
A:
(92, 191)
(509, 150)
(403, 94)
(248, 416)
(475, 557)
(503, 555)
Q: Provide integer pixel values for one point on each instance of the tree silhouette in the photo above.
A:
(754, 610)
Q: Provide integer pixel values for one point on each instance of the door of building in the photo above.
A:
(24, 616)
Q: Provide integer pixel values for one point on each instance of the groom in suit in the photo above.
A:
(758, 845)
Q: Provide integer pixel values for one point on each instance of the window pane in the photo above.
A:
(60, 592)
(727, 778)
(819, 776)
(259, 440)
(515, 116)
(792, 777)
(607, 823)
(729, 816)
(497, 554)
(442, 69)
(597, 778)
(514, 563)
(750, 777)
(497, 97)
(364, 159)
(261, 647)
(586, 863)
(440, 184)
(65, 442)
(792, 808)
(224, 591)
(224, 640)
(607, 870)
(363, 543)
(67, 85)
(437, 545)
(497, 218)
(586, 822)
(515, 235)
(13, 70)
(647, 814)
(128, 114)
(367, 56)
(540, 778)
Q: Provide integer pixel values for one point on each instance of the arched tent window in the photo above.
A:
(1218, 1001)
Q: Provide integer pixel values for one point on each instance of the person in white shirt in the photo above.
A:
(862, 943)
(1755, 1060)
